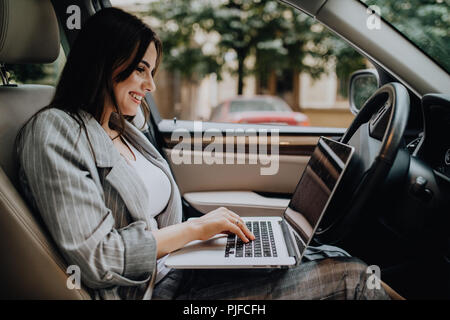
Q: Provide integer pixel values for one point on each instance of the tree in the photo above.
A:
(275, 35)
(235, 24)
(178, 26)
(268, 30)
(181, 21)
(300, 38)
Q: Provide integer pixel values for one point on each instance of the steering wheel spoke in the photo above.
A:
(366, 147)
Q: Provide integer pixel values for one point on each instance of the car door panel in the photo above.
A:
(237, 170)
(214, 177)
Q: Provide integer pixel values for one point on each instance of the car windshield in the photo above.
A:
(258, 105)
(426, 23)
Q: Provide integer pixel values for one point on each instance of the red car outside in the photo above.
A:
(258, 109)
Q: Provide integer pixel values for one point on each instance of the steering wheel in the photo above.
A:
(376, 133)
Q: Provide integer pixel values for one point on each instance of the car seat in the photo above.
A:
(30, 267)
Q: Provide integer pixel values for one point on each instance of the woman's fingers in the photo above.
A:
(241, 224)
(228, 221)
(238, 231)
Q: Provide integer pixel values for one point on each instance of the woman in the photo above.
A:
(108, 197)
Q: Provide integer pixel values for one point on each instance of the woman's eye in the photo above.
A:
(140, 70)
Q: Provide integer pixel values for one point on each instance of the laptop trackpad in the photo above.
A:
(217, 242)
(197, 251)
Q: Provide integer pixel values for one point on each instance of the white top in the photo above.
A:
(158, 190)
(155, 180)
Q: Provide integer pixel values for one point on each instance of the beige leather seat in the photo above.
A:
(30, 266)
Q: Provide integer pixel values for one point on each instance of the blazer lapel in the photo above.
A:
(122, 177)
(174, 210)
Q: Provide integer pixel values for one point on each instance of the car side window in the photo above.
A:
(251, 54)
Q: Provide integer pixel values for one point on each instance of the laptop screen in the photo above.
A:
(317, 184)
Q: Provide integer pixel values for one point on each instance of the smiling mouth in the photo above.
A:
(136, 98)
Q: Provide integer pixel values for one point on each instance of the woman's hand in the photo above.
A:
(217, 221)
(221, 220)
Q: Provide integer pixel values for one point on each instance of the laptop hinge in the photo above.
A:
(289, 242)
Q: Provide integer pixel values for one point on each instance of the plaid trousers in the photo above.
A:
(330, 278)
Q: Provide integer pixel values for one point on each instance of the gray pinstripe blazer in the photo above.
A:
(94, 203)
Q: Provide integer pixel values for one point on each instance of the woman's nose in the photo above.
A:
(149, 84)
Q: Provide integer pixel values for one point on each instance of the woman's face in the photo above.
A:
(130, 92)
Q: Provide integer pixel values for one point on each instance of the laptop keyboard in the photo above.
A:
(262, 246)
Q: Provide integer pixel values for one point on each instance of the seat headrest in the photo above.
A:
(28, 31)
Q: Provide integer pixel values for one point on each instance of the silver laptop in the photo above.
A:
(280, 241)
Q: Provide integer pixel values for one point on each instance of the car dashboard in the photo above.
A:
(434, 148)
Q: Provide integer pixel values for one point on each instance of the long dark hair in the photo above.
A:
(106, 41)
